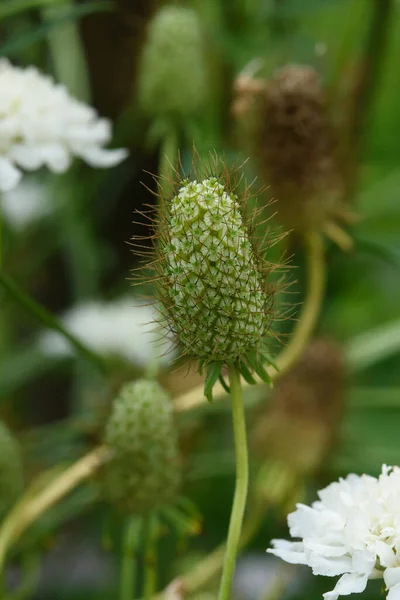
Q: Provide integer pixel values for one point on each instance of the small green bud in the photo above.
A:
(11, 471)
(172, 78)
(212, 278)
(145, 471)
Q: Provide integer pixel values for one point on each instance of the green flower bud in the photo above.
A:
(172, 72)
(145, 471)
(212, 278)
(11, 471)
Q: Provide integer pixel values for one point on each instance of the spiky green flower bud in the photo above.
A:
(172, 72)
(213, 278)
(145, 471)
(11, 471)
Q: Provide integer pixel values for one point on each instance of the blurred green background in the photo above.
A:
(77, 253)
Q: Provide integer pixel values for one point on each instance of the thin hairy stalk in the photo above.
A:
(150, 557)
(301, 333)
(48, 320)
(241, 484)
(26, 512)
(129, 560)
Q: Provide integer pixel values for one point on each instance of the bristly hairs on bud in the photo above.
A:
(211, 272)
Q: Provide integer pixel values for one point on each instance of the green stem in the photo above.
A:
(9, 8)
(67, 51)
(129, 564)
(1, 239)
(48, 320)
(168, 161)
(242, 480)
(150, 557)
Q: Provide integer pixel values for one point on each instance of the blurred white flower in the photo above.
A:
(352, 531)
(42, 125)
(28, 202)
(125, 328)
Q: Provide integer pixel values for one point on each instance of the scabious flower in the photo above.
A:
(212, 277)
(42, 125)
(123, 328)
(353, 530)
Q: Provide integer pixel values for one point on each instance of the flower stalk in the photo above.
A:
(30, 509)
(129, 564)
(241, 485)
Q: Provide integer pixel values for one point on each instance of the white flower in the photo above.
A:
(123, 328)
(42, 125)
(28, 202)
(352, 531)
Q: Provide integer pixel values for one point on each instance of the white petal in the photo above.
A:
(387, 557)
(292, 552)
(10, 176)
(29, 201)
(363, 561)
(394, 593)
(98, 157)
(392, 577)
(55, 157)
(26, 156)
(328, 550)
(349, 583)
(329, 566)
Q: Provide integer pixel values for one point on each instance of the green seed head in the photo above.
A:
(172, 78)
(145, 471)
(11, 472)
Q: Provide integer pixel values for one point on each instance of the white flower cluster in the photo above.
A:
(42, 125)
(123, 328)
(218, 302)
(352, 531)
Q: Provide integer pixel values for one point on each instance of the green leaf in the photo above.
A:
(373, 346)
(213, 373)
(224, 384)
(10, 8)
(244, 370)
(268, 358)
(19, 43)
(258, 367)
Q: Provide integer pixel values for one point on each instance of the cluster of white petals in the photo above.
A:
(123, 328)
(42, 125)
(352, 531)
